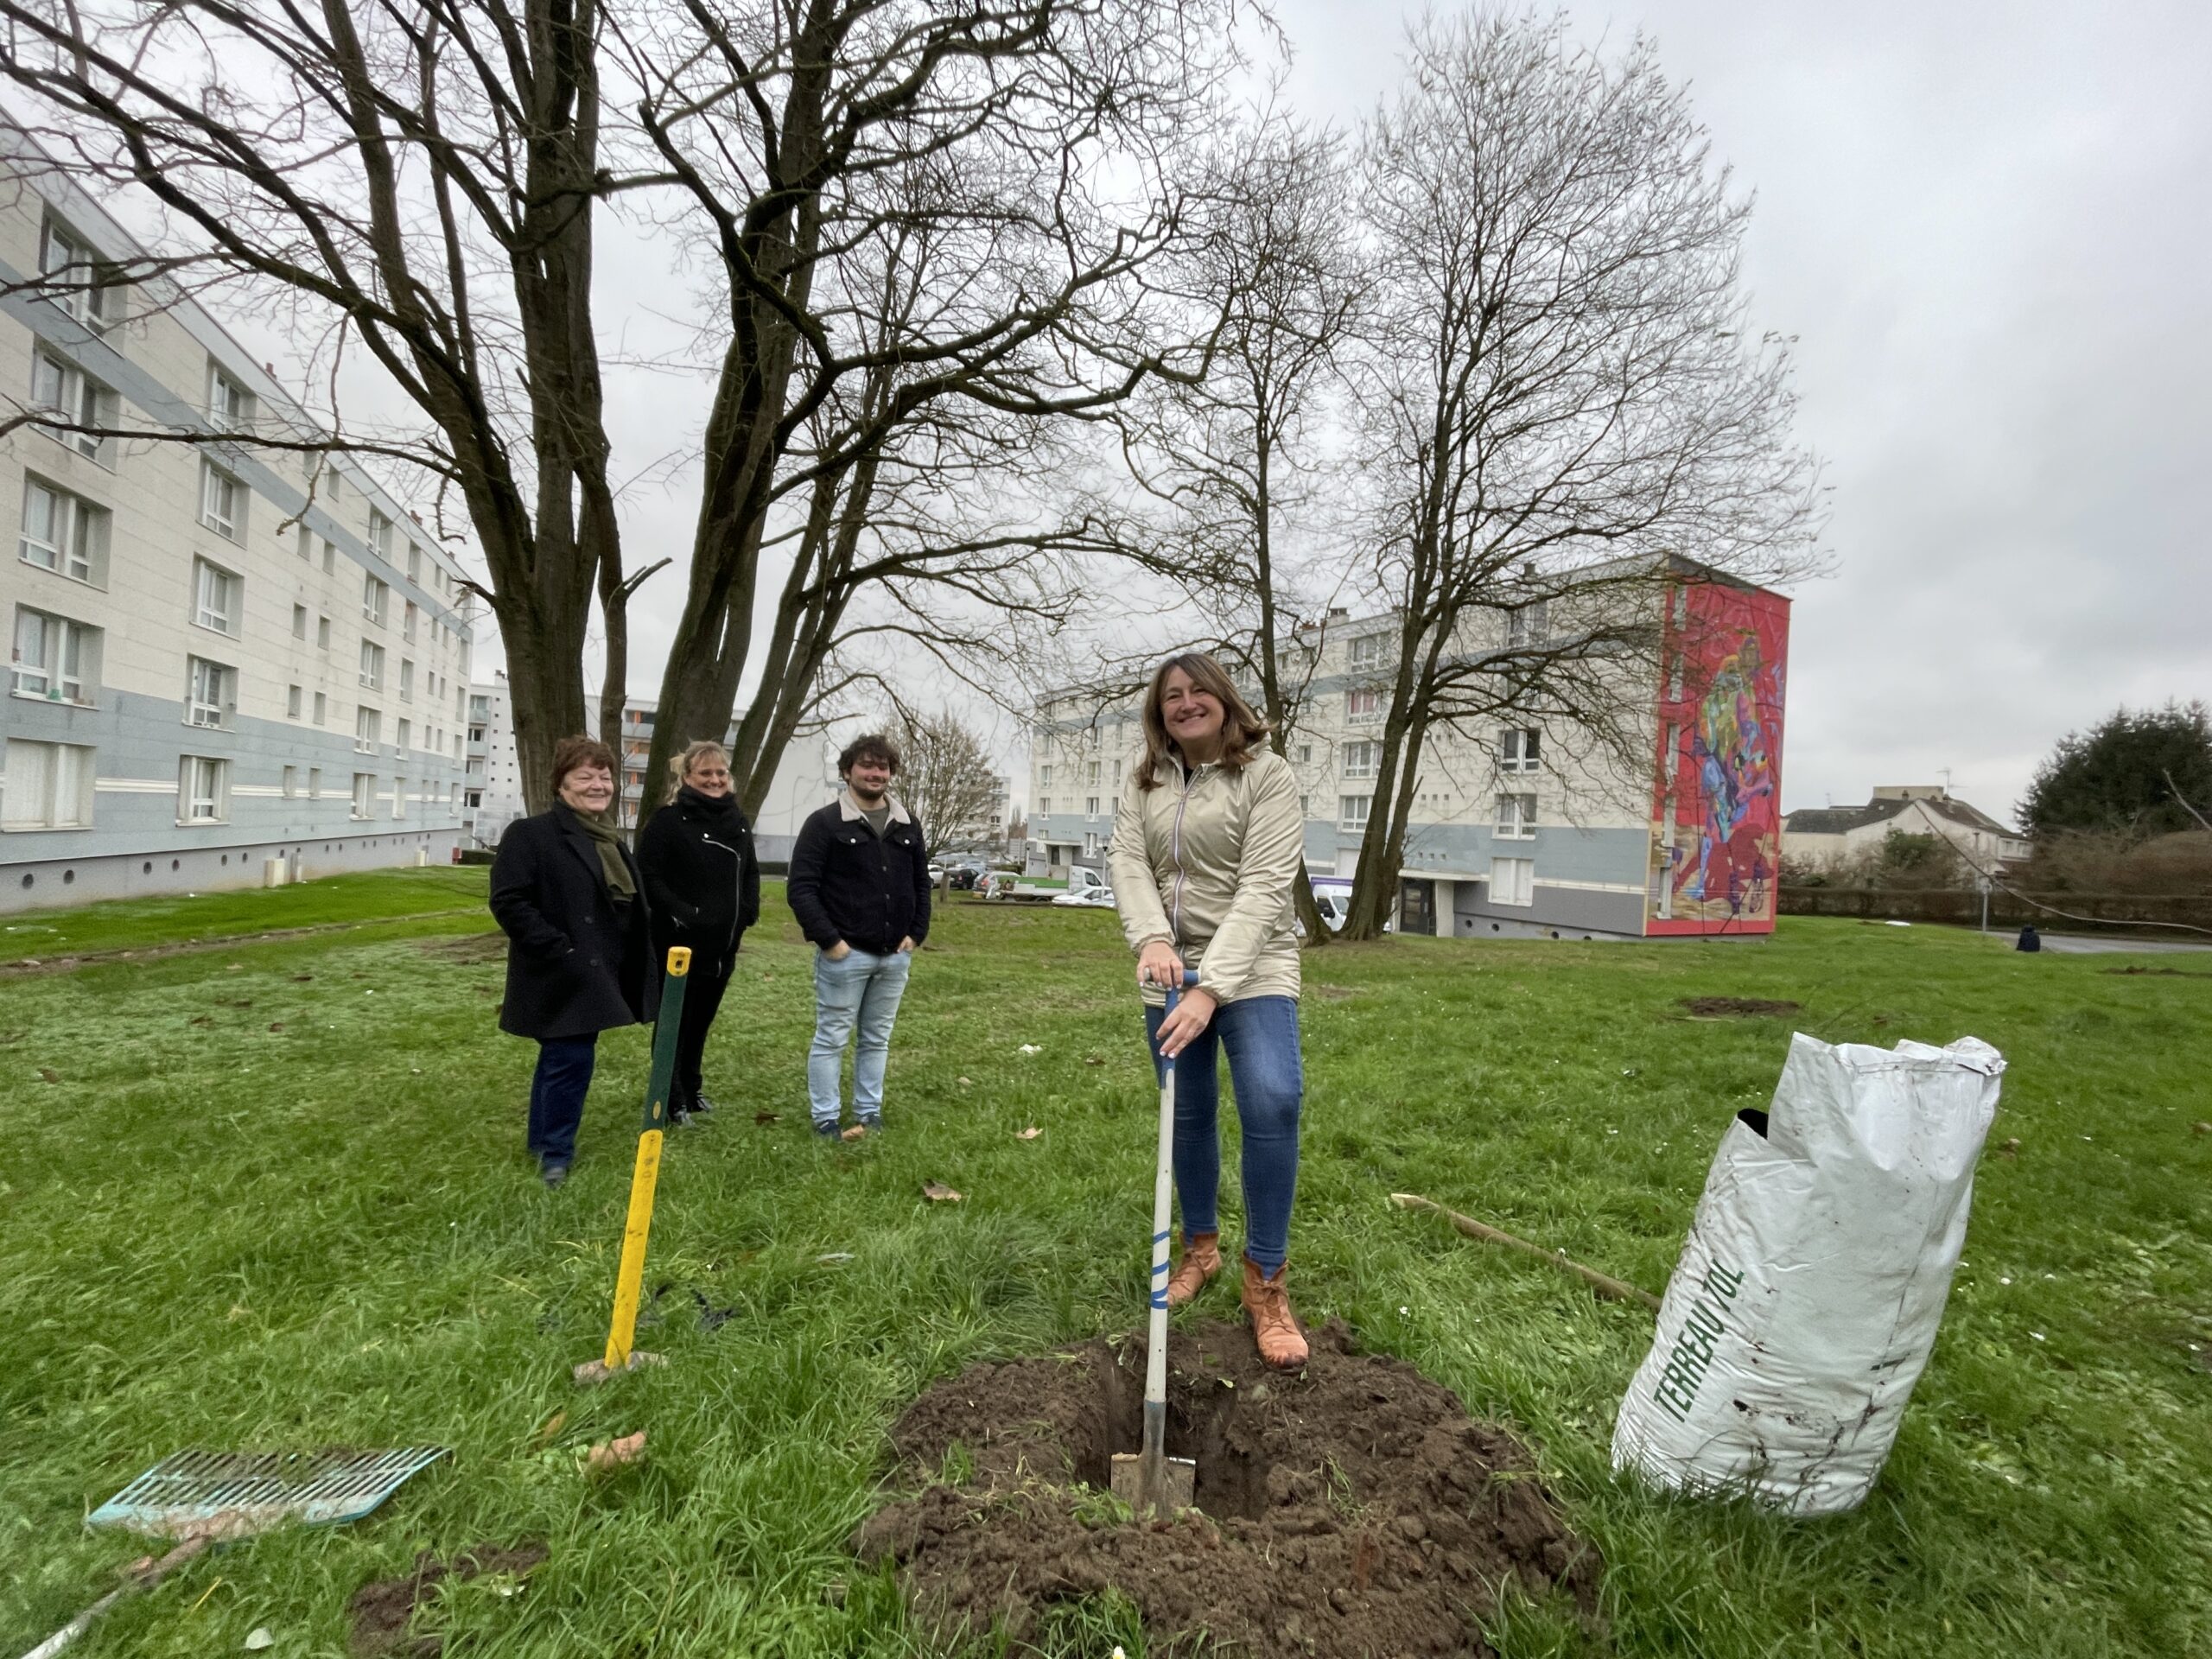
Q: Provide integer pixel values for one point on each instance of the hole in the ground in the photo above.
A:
(1203, 1411)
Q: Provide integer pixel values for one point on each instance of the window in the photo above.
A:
(1044, 806)
(78, 280)
(1513, 881)
(329, 558)
(407, 622)
(1518, 749)
(1352, 811)
(230, 405)
(1528, 625)
(1361, 759)
(304, 540)
(1517, 818)
(1304, 755)
(472, 798)
(55, 658)
(414, 564)
(364, 794)
(1306, 807)
(211, 694)
(1117, 772)
(1366, 703)
(322, 707)
(1675, 679)
(74, 397)
(1045, 776)
(62, 533)
(372, 665)
(374, 597)
(1091, 806)
(222, 502)
(480, 707)
(1090, 774)
(299, 621)
(322, 634)
(406, 680)
(214, 597)
(368, 726)
(315, 783)
(380, 536)
(293, 697)
(203, 790)
(47, 786)
(399, 797)
(291, 783)
(1091, 844)
(399, 738)
(476, 733)
(1366, 651)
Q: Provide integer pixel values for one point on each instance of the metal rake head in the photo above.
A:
(234, 1494)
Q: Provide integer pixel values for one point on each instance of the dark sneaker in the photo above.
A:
(871, 1122)
(702, 1104)
(553, 1172)
(826, 1131)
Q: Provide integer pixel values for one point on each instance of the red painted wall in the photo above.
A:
(1718, 781)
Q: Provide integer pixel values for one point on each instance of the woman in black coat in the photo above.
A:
(566, 892)
(703, 882)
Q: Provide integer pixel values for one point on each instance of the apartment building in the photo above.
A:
(231, 665)
(1518, 831)
(493, 791)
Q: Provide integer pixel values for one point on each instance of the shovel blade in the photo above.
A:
(1176, 1489)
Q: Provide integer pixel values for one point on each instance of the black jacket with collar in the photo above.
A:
(576, 962)
(849, 883)
(702, 877)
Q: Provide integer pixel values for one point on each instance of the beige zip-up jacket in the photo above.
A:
(1205, 861)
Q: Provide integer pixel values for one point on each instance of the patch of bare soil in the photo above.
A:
(1738, 1008)
(1350, 1508)
(380, 1617)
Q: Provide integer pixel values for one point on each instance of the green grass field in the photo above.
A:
(274, 1195)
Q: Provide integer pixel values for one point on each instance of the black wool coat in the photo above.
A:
(702, 879)
(576, 964)
(848, 883)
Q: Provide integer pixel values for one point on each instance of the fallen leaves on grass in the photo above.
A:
(1029, 1133)
(857, 1132)
(2201, 1128)
(262, 1638)
(766, 1117)
(1094, 1060)
(938, 1192)
(549, 1429)
(276, 1025)
(1033, 1048)
(48, 1074)
(606, 1458)
(2011, 1148)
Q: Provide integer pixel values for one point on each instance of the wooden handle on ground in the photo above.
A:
(1603, 1284)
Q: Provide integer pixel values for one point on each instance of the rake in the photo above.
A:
(201, 1498)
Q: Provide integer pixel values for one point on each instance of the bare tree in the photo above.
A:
(1554, 393)
(423, 170)
(946, 778)
(1234, 455)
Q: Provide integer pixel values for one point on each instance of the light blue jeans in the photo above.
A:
(863, 989)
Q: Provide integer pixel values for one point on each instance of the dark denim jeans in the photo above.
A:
(1260, 1034)
(556, 1095)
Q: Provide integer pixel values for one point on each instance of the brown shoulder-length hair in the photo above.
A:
(571, 753)
(1242, 729)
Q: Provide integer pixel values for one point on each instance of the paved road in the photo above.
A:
(2081, 945)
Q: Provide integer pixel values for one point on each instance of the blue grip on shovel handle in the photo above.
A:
(1190, 983)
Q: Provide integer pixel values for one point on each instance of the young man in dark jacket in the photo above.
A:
(859, 886)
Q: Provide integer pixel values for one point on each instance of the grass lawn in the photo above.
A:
(277, 1197)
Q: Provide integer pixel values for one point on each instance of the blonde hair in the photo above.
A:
(679, 765)
(1242, 729)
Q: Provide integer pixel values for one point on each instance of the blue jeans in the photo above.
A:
(1260, 1034)
(556, 1095)
(863, 989)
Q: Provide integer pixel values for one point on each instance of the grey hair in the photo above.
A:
(679, 765)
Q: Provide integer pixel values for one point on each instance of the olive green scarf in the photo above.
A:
(601, 827)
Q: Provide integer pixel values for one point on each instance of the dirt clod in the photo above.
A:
(1738, 1008)
(1349, 1508)
(381, 1613)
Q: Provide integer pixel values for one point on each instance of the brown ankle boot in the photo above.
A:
(1275, 1327)
(1201, 1261)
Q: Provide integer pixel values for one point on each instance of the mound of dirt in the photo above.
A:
(1745, 1008)
(380, 1613)
(1352, 1508)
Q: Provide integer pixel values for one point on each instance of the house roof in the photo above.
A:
(1841, 820)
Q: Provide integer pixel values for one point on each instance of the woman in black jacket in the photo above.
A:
(566, 892)
(703, 882)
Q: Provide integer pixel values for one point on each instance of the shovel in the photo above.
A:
(1150, 1482)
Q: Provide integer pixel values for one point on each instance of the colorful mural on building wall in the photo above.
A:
(1716, 809)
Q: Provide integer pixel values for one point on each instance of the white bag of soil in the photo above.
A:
(1807, 1298)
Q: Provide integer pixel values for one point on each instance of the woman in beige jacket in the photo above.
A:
(1208, 837)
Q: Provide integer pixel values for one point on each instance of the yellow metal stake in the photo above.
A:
(644, 1176)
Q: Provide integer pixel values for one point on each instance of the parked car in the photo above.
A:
(1335, 907)
(1086, 898)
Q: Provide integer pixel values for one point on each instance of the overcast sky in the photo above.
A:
(1989, 228)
